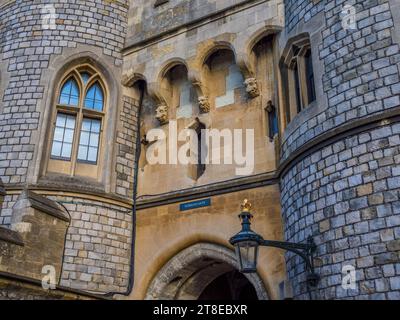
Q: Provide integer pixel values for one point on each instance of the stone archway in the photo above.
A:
(190, 272)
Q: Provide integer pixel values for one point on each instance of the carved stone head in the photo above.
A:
(162, 114)
(252, 87)
(204, 104)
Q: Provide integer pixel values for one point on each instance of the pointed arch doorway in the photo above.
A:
(205, 272)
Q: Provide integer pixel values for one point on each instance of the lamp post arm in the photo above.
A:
(305, 251)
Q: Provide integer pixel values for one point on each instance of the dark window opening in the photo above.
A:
(310, 77)
(201, 152)
(297, 87)
(272, 120)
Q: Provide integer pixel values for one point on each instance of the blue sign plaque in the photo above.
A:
(195, 205)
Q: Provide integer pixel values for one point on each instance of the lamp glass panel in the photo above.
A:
(247, 252)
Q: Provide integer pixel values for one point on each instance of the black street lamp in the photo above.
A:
(247, 244)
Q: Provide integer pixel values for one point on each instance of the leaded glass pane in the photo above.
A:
(66, 150)
(56, 150)
(85, 77)
(69, 93)
(89, 140)
(94, 98)
(63, 136)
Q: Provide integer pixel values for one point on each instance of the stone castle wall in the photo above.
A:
(360, 74)
(347, 196)
(341, 184)
(97, 247)
(339, 157)
(32, 58)
(26, 50)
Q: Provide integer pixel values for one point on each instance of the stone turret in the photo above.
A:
(340, 184)
(42, 45)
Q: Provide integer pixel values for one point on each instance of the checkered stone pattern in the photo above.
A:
(26, 49)
(346, 196)
(361, 75)
(97, 247)
(126, 141)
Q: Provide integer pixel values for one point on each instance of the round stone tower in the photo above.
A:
(340, 156)
(60, 71)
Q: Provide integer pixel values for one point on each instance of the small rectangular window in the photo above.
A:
(63, 136)
(89, 140)
(310, 77)
(297, 87)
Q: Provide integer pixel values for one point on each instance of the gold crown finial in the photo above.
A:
(246, 206)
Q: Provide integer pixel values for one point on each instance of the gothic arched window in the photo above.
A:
(94, 98)
(78, 121)
(69, 93)
(298, 76)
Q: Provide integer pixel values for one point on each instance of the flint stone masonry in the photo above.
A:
(353, 212)
(361, 74)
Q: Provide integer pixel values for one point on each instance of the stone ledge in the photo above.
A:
(45, 205)
(4, 3)
(67, 190)
(10, 236)
(209, 190)
(338, 133)
(15, 283)
(57, 180)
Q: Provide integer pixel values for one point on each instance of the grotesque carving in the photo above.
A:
(252, 87)
(204, 104)
(162, 114)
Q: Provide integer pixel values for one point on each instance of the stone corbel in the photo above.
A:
(162, 114)
(203, 100)
(243, 61)
(162, 109)
(204, 104)
(252, 88)
(201, 91)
